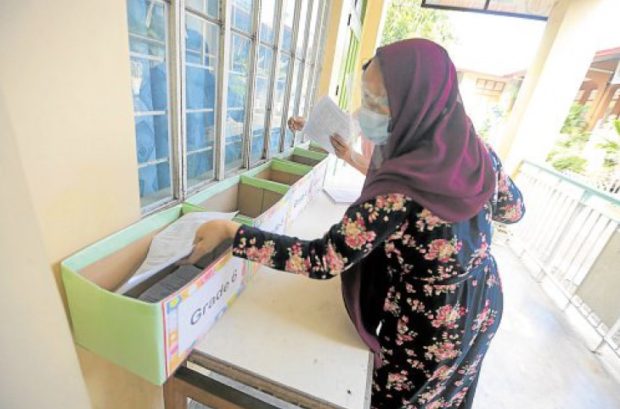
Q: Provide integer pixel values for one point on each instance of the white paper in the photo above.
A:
(172, 244)
(343, 195)
(327, 119)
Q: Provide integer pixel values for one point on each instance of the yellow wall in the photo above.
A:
(39, 366)
(66, 83)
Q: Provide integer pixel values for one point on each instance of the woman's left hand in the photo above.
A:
(208, 236)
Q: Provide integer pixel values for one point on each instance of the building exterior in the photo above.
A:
(112, 110)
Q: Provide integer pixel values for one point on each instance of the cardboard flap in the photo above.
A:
(111, 271)
(250, 200)
(225, 201)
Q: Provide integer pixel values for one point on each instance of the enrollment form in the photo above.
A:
(327, 119)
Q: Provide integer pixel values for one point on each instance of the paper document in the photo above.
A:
(343, 195)
(170, 245)
(327, 119)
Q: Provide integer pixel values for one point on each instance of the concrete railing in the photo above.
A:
(570, 238)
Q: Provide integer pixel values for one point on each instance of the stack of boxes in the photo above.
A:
(152, 337)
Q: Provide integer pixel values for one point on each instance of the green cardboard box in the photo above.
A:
(149, 339)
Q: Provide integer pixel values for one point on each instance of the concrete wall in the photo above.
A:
(65, 81)
(599, 290)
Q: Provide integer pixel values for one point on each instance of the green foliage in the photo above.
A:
(494, 116)
(571, 163)
(575, 121)
(565, 155)
(611, 146)
(406, 19)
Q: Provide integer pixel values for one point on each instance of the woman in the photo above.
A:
(418, 278)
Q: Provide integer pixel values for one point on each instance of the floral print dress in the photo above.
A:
(443, 300)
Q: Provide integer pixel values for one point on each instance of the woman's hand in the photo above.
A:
(343, 151)
(296, 123)
(208, 236)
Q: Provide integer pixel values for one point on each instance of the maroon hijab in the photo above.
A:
(432, 155)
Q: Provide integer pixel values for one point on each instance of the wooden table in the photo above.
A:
(286, 342)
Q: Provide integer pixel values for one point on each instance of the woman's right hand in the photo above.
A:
(296, 123)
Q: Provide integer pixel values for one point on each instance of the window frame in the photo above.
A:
(309, 67)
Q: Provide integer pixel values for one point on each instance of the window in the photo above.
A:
(263, 79)
(201, 74)
(490, 85)
(148, 47)
(213, 85)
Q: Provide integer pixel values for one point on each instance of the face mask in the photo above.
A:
(374, 125)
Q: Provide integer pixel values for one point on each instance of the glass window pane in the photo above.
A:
(288, 136)
(154, 183)
(209, 7)
(261, 97)
(237, 93)
(242, 15)
(314, 30)
(305, 90)
(287, 27)
(147, 20)
(278, 109)
(267, 20)
(202, 39)
(301, 29)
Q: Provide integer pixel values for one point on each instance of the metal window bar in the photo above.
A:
(152, 162)
(147, 56)
(177, 94)
(275, 66)
(302, 60)
(207, 19)
(222, 89)
(249, 103)
(290, 74)
(170, 49)
(320, 53)
(319, 49)
(149, 113)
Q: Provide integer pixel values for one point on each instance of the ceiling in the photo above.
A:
(533, 9)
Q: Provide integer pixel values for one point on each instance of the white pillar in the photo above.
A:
(570, 41)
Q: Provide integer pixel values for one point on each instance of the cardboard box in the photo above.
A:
(260, 202)
(306, 188)
(306, 157)
(149, 339)
(280, 171)
(318, 161)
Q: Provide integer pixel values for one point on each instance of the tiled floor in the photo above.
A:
(537, 360)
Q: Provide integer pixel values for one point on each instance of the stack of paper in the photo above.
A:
(170, 245)
(327, 119)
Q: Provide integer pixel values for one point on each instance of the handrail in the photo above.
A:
(591, 190)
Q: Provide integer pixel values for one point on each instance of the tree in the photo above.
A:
(566, 154)
(406, 19)
(611, 146)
